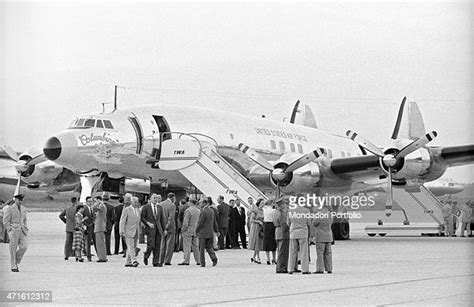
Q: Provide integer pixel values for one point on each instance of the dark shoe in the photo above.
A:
(258, 262)
(214, 262)
(290, 272)
(102, 260)
(167, 263)
(89, 259)
(318, 272)
(66, 258)
(297, 271)
(198, 264)
(251, 260)
(274, 262)
(329, 272)
(124, 255)
(145, 260)
(15, 270)
(268, 262)
(129, 265)
(109, 254)
(183, 263)
(156, 265)
(135, 264)
(79, 260)
(306, 273)
(282, 272)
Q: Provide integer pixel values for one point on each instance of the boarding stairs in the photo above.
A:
(198, 161)
(422, 212)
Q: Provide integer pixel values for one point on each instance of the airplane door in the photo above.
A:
(164, 132)
(138, 132)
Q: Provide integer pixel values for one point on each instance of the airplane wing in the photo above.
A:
(368, 167)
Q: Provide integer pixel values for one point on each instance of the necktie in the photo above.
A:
(154, 210)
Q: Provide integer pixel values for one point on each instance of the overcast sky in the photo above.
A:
(352, 62)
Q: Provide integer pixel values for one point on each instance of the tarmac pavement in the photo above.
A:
(367, 270)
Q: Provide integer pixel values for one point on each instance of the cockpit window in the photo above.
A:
(108, 124)
(84, 123)
(89, 123)
(73, 123)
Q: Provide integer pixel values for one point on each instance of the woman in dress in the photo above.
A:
(269, 243)
(78, 238)
(256, 231)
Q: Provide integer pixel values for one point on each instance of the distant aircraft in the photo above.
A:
(242, 156)
(440, 188)
(44, 175)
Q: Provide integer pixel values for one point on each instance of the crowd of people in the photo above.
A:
(195, 226)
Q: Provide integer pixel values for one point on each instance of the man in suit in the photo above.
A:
(89, 222)
(118, 214)
(205, 229)
(7, 205)
(17, 228)
(68, 218)
(231, 236)
(188, 230)
(223, 220)
(2, 228)
(447, 211)
(100, 226)
(239, 213)
(466, 218)
(282, 236)
(168, 238)
(129, 223)
(110, 221)
(323, 241)
(152, 218)
(299, 224)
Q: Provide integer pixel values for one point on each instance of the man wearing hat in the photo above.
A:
(282, 235)
(17, 227)
(68, 218)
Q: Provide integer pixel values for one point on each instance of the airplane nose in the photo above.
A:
(52, 148)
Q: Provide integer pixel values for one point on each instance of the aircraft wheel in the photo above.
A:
(371, 234)
(382, 234)
(341, 230)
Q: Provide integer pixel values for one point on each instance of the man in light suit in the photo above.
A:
(466, 218)
(152, 218)
(168, 238)
(299, 225)
(129, 223)
(205, 229)
(68, 218)
(89, 222)
(447, 211)
(188, 230)
(282, 236)
(100, 226)
(323, 241)
(17, 227)
(223, 220)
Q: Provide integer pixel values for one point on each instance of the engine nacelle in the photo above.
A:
(27, 156)
(303, 179)
(416, 165)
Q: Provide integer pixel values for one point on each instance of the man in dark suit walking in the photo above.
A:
(223, 220)
(239, 213)
(152, 218)
(205, 229)
(118, 213)
(68, 218)
(231, 235)
(110, 221)
(169, 222)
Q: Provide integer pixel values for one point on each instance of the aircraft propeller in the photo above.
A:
(24, 164)
(280, 172)
(392, 159)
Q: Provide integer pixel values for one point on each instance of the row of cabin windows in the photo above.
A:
(327, 152)
(90, 122)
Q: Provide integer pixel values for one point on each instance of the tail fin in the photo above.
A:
(409, 123)
(302, 115)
